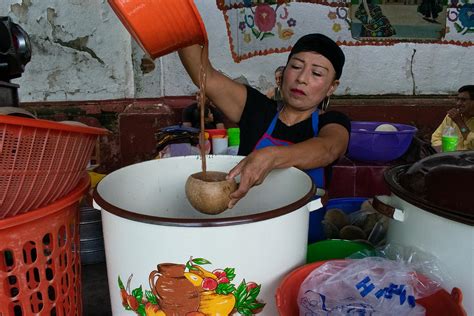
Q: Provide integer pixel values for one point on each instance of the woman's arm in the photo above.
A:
(320, 151)
(229, 96)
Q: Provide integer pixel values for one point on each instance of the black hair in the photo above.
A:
(323, 45)
(469, 89)
(280, 69)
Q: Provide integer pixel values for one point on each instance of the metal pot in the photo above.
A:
(245, 251)
(445, 232)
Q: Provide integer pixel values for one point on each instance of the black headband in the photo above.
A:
(323, 45)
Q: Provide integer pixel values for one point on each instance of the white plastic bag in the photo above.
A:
(368, 286)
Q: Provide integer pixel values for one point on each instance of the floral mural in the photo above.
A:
(262, 27)
(463, 17)
(266, 21)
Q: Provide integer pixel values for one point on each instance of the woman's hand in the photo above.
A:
(253, 170)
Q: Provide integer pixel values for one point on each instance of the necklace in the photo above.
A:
(285, 119)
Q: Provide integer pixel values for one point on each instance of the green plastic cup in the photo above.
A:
(233, 135)
(449, 143)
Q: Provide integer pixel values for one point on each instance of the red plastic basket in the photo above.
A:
(40, 259)
(40, 161)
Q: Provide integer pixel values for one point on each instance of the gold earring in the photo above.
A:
(326, 104)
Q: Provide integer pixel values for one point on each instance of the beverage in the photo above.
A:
(449, 143)
(202, 104)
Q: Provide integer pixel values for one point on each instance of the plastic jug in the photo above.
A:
(161, 26)
(449, 139)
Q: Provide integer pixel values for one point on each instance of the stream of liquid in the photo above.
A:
(202, 104)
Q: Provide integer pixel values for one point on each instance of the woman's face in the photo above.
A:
(308, 78)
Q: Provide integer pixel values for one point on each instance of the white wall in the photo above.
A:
(81, 51)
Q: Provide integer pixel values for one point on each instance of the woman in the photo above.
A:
(275, 92)
(302, 134)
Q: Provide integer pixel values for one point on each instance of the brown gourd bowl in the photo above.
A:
(209, 192)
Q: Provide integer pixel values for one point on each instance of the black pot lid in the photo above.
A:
(442, 184)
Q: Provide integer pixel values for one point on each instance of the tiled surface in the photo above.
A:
(95, 291)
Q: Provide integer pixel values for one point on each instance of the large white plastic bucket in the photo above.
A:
(147, 221)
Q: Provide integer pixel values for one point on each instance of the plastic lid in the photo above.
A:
(441, 184)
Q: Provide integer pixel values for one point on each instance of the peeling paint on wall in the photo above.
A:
(80, 44)
(21, 10)
(147, 65)
(75, 55)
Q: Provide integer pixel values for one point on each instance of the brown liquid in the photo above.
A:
(202, 104)
(210, 176)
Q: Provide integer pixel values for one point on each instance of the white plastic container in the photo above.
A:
(444, 232)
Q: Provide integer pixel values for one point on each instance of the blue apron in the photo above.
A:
(316, 174)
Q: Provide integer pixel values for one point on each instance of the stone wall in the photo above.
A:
(81, 51)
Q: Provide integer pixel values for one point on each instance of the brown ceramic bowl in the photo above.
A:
(209, 192)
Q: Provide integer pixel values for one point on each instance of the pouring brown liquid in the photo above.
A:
(202, 103)
(207, 191)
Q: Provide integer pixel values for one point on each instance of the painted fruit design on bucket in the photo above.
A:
(191, 290)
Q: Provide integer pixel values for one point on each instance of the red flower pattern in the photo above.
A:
(265, 18)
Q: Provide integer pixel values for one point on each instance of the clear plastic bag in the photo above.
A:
(418, 260)
(365, 225)
(368, 286)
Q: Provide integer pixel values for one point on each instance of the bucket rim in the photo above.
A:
(204, 222)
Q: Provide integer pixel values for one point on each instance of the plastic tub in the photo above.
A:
(334, 249)
(161, 27)
(440, 303)
(368, 145)
(348, 205)
(40, 261)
